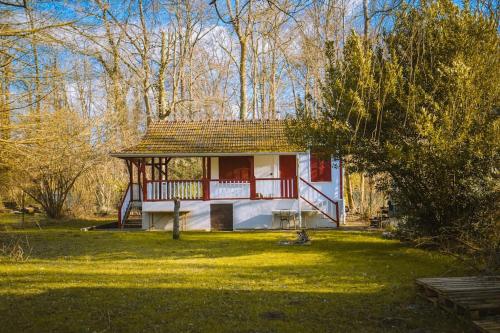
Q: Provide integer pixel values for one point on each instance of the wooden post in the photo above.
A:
(161, 169)
(252, 179)
(177, 206)
(153, 166)
(204, 177)
(144, 184)
(209, 175)
(131, 179)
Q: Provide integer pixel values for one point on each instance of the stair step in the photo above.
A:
(132, 226)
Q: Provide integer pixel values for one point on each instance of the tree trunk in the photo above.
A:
(366, 20)
(177, 206)
(350, 201)
(5, 112)
(370, 196)
(162, 96)
(243, 79)
(362, 194)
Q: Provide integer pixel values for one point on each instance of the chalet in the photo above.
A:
(250, 177)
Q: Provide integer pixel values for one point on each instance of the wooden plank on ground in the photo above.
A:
(488, 324)
(474, 297)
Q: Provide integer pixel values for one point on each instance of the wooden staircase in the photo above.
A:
(130, 210)
(328, 207)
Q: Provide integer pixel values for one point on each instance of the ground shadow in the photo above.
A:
(207, 310)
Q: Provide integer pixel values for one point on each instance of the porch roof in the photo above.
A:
(211, 137)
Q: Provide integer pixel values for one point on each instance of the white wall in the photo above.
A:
(247, 214)
(198, 218)
(331, 188)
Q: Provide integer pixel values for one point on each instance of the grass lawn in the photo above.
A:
(104, 281)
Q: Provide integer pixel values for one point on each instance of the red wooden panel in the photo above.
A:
(288, 166)
(288, 170)
(235, 167)
(321, 168)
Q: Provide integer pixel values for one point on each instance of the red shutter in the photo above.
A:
(321, 168)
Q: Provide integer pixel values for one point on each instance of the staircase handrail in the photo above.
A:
(326, 197)
(120, 207)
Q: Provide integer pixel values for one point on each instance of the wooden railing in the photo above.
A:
(218, 189)
(229, 189)
(162, 190)
(133, 193)
(276, 188)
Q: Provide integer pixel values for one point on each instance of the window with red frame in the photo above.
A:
(321, 168)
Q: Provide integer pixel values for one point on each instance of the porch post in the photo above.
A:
(153, 166)
(209, 176)
(161, 168)
(252, 179)
(204, 177)
(139, 185)
(131, 179)
(144, 184)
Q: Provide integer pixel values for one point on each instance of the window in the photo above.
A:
(321, 168)
(235, 167)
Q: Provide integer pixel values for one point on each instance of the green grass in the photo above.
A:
(104, 281)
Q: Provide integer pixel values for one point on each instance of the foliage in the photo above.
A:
(217, 282)
(422, 108)
(57, 151)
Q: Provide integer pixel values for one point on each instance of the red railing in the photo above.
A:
(218, 189)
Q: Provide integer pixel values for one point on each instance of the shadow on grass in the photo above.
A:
(209, 310)
(105, 245)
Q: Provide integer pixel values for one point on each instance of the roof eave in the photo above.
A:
(132, 155)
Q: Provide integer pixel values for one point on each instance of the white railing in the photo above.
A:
(265, 188)
(268, 188)
(319, 200)
(168, 190)
(133, 193)
(137, 193)
(229, 189)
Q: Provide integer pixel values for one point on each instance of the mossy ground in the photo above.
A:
(105, 281)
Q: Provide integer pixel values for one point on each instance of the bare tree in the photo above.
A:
(240, 17)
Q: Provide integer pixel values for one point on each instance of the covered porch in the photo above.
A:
(228, 177)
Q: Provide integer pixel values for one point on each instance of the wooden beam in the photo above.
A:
(153, 167)
(144, 184)
(131, 179)
(252, 179)
(160, 164)
(209, 176)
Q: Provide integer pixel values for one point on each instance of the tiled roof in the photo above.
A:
(213, 136)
